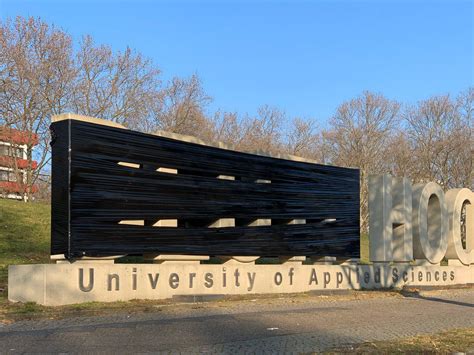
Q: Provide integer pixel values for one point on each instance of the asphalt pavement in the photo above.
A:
(275, 325)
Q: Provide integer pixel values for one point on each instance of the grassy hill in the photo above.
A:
(24, 234)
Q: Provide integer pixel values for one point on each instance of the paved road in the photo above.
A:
(295, 325)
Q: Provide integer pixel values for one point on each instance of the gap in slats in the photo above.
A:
(253, 222)
(169, 223)
(167, 170)
(129, 165)
(225, 177)
(133, 222)
(280, 222)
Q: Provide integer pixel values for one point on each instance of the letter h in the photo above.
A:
(390, 219)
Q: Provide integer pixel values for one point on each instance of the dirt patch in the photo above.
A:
(453, 341)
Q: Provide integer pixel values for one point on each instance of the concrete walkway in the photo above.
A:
(284, 325)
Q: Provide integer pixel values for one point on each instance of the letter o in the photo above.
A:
(455, 200)
(278, 278)
(430, 222)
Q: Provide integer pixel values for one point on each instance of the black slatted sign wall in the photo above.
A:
(117, 191)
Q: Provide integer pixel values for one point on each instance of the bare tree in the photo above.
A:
(228, 128)
(304, 140)
(262, 132)
(359, 137)
(121, 87)
(182, 108)
(35, 76)
(401, 159)
(465, 106)
(41, 75)
(442, 141)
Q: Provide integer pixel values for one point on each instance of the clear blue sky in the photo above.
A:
(304, 57)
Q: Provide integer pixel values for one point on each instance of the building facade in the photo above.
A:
(14, 162)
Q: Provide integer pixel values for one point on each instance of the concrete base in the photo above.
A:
(422, 262)
(454, 262)
(348, 261)
(238, 259)
(293, 260)
(176, 259)
(325, 260)
(60, 284)
(60, 259)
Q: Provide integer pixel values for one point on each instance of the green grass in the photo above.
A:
(24, 235)
(364, 248)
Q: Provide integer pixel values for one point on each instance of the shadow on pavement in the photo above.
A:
(416, 294)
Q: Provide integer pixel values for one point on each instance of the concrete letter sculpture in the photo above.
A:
(457, 199)
(422, 224)
(390, 208)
